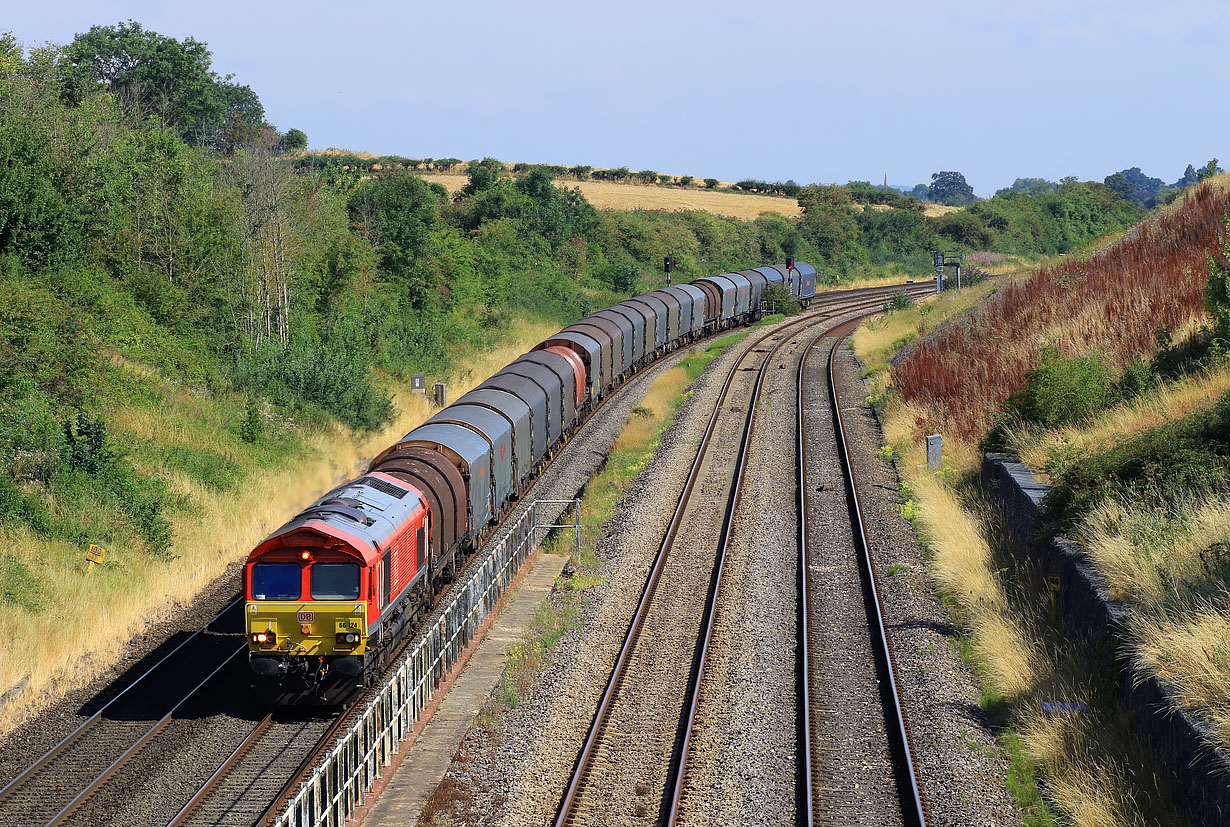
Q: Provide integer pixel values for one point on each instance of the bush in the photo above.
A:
(330, 374)
(1062, 390)
(900, 301)
(1163, 465)
(777, 299)
(710, 183)
(621, 276)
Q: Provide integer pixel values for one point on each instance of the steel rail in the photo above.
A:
(820, 306)
(913, 805)
(566, 810)
(711, 608)
(94, 719)
(567, 805)
(710, 612)
(83, 796)
(239, 752)
(802, 502)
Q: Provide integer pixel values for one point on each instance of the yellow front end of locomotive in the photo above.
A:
(298, 628)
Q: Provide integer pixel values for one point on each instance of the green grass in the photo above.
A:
(18, 586)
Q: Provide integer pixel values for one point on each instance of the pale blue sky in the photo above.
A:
(770, 89)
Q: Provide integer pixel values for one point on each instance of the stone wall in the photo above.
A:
(1179, 742)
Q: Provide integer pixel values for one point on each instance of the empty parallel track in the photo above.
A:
(686, 612)
(811, 709)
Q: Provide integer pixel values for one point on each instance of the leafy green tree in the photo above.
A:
(828, 223)
(580, 172)
(1029, 186)
(483, 176)
(922, 192)
(10, 55)
(397, 213)
(158, 75)
(1210, 169)
(646, 176)
(294, 140)
(965, 229)
(950, 188)
(1120, 184)
(685, 180)
(1189, 177)
(710, 183)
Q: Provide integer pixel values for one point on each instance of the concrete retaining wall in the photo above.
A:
(1180, 743)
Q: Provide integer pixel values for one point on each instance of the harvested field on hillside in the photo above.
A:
(612, 196)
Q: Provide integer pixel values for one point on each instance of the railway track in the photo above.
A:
(823, 799)
(242, 790)
(55, 788)
(68, 776)
(676, 614)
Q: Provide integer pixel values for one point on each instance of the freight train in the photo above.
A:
(331, 594)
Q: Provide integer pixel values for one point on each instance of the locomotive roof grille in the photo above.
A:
(343, 506)
(383, 486)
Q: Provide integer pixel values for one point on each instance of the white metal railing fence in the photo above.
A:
(335, 789)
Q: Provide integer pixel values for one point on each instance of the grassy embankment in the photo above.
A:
(82, 623)
(1096, 382)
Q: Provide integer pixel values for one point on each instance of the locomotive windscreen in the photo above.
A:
(276, 581)
(335, 581)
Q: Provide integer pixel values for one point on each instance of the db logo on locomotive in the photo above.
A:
(307, 617)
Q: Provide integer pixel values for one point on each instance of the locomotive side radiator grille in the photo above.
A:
(335, 789)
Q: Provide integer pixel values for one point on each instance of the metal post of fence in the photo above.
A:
(576, 515)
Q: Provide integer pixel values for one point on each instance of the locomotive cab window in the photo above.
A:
(276, 581)
(335, 581)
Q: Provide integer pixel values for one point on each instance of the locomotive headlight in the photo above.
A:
(265, 638)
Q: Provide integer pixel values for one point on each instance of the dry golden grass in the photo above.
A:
(84, 623)
(1148, 556)
(610, 195)
(936, 210)
(648, 416)
(1191, 652)
(1091, 789)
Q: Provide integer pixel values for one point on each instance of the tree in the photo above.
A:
(1189, 177)
(710, 183)
(1029, 186)
(685, 180)
(397, 213)
(1210, 169)
(580, 172)
(828, 221)
(950, 188)
(158, 75)
(1120, 184)
(10, 55)
(483, 175)
(921, 192)
(965, 230)
(296, 139)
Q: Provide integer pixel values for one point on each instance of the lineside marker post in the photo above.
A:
(935, 449)
(95, 554)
